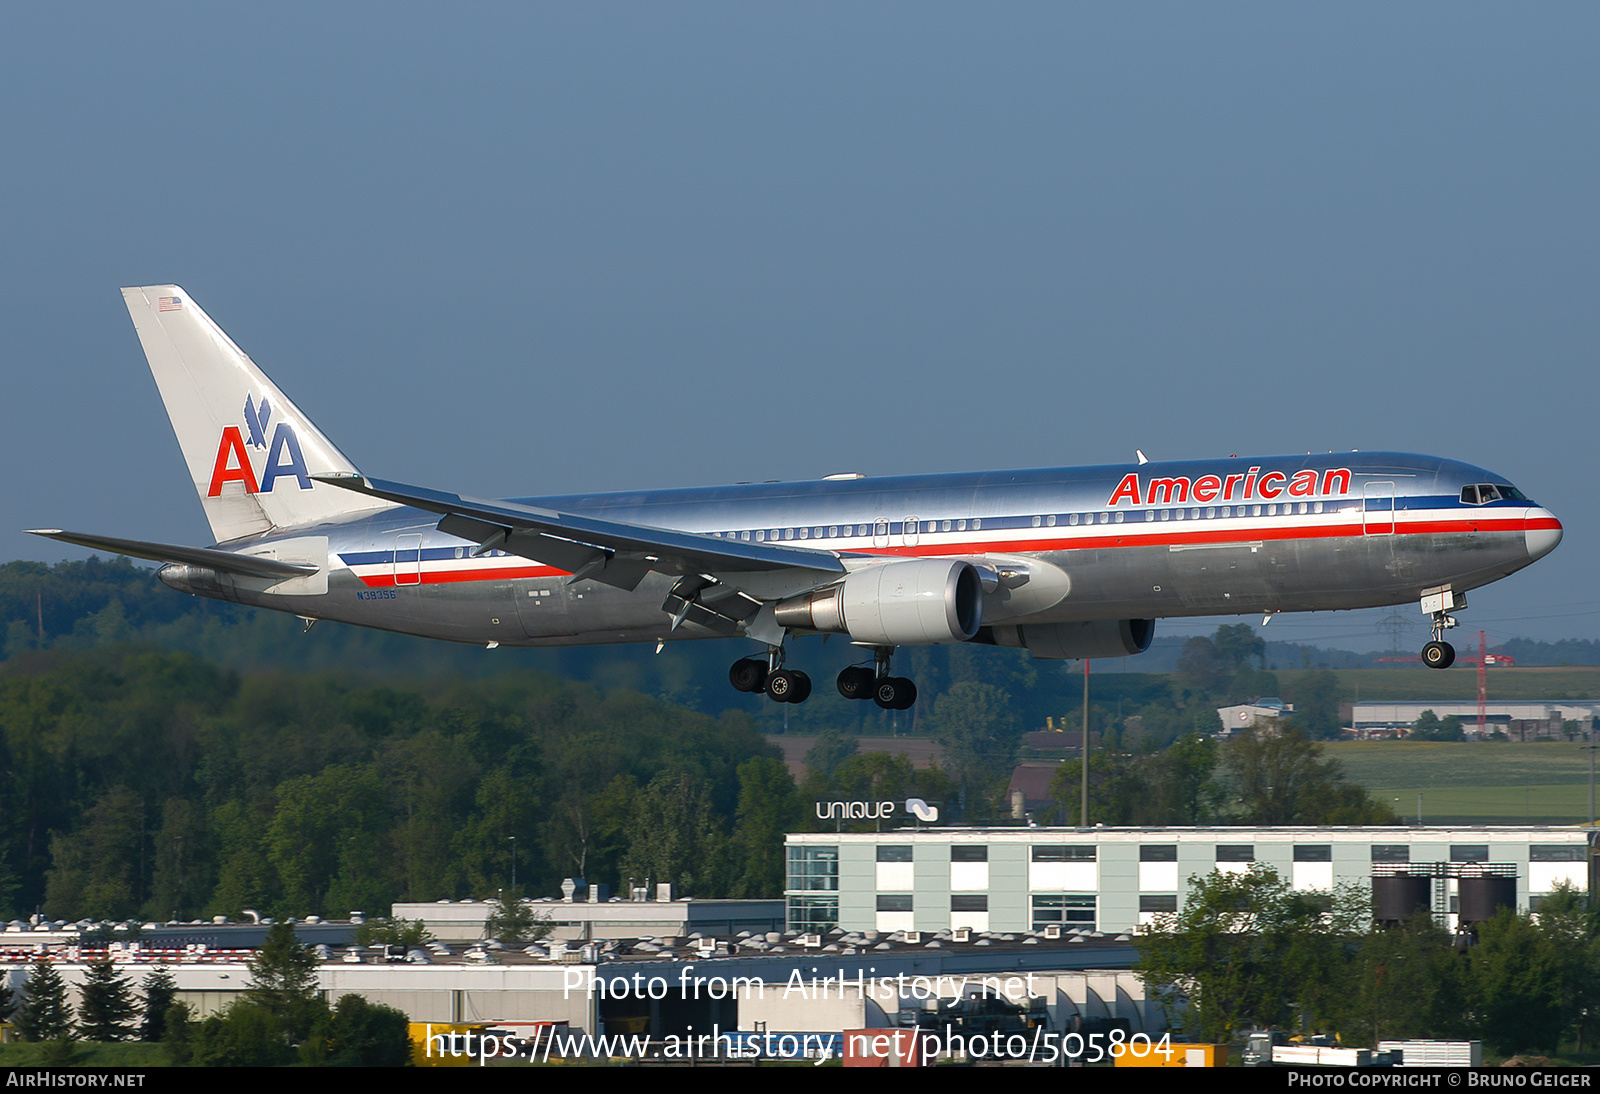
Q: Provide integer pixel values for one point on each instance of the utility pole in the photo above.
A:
(1083, 809)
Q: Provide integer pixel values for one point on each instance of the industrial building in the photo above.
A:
(1529, 719)
(1118, 879)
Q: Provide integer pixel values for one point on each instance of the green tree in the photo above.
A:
(1202, 667)
(1278, 776)
(513, 919)
(1243, 951)
(1516, 978)
(45, 1014)
(244, 1035)
(769, 807)
(1315, 696)
(356, 1033)
(980, 733)
(1402, 983)
(393, 932)
(676, 836)
(1174, 786)
(283, 983)
(1238, 643)
(96, 868)
(831, 749)
(106, 1010)
(1566, 918)
(177, 1035)
(160, 993)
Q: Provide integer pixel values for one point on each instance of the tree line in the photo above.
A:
(146, 784)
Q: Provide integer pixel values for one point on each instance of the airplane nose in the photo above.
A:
(1541, 531)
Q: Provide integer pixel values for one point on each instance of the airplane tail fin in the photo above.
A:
(250, 451)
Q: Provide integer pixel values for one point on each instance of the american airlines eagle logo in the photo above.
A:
(283, 456)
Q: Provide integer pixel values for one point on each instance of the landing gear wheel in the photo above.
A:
(748, 675)
(856, 682)
(895, 693)
(788, 686)
(1438, 655)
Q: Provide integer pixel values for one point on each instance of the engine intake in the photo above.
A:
(915, 603)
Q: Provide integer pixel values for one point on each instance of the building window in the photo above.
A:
(814, 868)
(1556, 852)
(1236, 852)
(968, 852)
(813, 914)
(894, 902)
(979, 903)
(1160, 852)
(1391, 852)
(1321, 852)
(1071, 852)
(1063, 911)
(894, 852)
(1469, 852)
(1164, 903)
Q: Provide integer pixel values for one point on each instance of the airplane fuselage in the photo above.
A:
(1213, 537)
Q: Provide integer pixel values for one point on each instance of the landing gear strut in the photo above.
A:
(1439, 603)
(889, 692)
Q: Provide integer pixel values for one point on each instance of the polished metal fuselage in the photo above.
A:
(1215, 537)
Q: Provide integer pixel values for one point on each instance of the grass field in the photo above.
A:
(1461, 683)
(1479, 782)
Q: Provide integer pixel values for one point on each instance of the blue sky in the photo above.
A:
(523, 248)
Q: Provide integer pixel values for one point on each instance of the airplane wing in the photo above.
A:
(607, 551)
(195, 556)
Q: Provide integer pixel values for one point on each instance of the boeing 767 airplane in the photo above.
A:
(1065, 562)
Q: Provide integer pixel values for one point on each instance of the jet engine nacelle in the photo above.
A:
(914, 603)
(1071, 641)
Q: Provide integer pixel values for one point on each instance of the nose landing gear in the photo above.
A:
(1438, 604)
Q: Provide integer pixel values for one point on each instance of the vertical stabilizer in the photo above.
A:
(250, 451)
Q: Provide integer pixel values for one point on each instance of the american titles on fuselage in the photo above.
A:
(1246, 486)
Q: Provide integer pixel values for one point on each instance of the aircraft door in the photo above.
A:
(1377, 508)
(909, 531)
(408, 559)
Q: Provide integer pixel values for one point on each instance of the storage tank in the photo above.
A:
(1482, 897)
(1397, 898)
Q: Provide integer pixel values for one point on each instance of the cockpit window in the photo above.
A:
(1485, 492)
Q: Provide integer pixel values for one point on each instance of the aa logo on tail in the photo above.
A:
(233, 460)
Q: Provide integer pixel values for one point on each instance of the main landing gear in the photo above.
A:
(889, 692)
(754, 674)
(1439, 603)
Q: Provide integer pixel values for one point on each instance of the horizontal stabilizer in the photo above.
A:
(225, 561)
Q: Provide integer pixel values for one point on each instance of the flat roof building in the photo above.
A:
(1117, 879)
